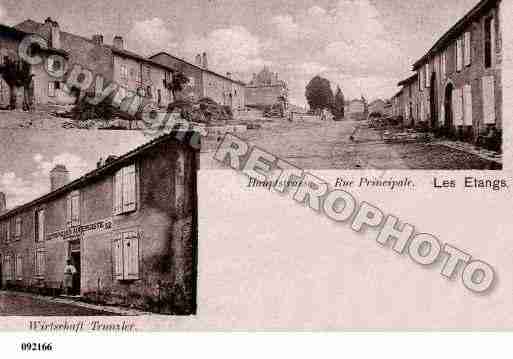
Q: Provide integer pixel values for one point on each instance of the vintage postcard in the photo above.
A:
(255, 165)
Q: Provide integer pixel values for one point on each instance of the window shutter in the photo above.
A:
(492, 45)
(428, 76)
(129, 188)
(118, 194)
(118, 257)
(41, 225)
(75, 209)
(51, 89)
(443, 64)
(488, 100)
(131, 255)
(68, 212)
(467, 100)
(459, 54)
(468, 50)
(19, 267)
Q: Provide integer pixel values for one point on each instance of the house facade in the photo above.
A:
(129, 227)
(459, 78)
(411, 100)
(114, 62)
(355, 109)
(204, 82)
(377, 106)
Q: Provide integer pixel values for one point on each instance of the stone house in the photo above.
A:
(377, 106)
(129, 227)
(459, 78)
(411, 100)
(204, 82)
(355, 109)
(112, 62)
(265, 89)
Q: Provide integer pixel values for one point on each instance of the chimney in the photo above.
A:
(118, 42)
(229, 75)
(205, 61)
(110, 158)
(98, 39)
(55, 33)
(3, 204)
(59, 176)
(99, 163)
(198, 60)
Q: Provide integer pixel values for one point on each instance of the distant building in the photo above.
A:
(377, 106)
(129, 227)
(355, 109)
(411, 100)
(265, 89)
(204, 82)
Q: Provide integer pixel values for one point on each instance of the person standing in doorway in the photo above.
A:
(69, 272)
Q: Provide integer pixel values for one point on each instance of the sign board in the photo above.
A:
(77, 232)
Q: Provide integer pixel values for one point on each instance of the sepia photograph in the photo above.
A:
(325, 84)
(97, 224)
(245, 165)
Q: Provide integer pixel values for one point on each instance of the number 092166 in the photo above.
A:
(36, 347)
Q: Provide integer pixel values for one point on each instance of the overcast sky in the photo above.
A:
(27, 156)
(365, 46)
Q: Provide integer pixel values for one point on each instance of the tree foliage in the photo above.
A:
(177, 83)
(318, 93)
(17, 75)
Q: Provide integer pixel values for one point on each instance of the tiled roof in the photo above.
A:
(408, 80)
(198, 67)
(456, 30)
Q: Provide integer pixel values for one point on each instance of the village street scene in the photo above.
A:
(445, 112)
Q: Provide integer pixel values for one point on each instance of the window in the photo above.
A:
(420, 80)
(468, 49)
(57, 85)
(124, 72)
(467, 105)
(126, 256)
(459, 54)
(8, 271)
(51, 89)
(39, 227)
(148, 92)
(17, 228)
(488, 86)
(40, 262)
(488, 41)
(19, 267)
(124, 190)
(73, 209)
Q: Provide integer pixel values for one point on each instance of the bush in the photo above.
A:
(85, 111)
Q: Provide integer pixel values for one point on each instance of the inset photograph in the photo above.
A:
(97, 223)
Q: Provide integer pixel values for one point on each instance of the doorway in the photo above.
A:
(433, 101)
(74, 255)
(448, 120)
